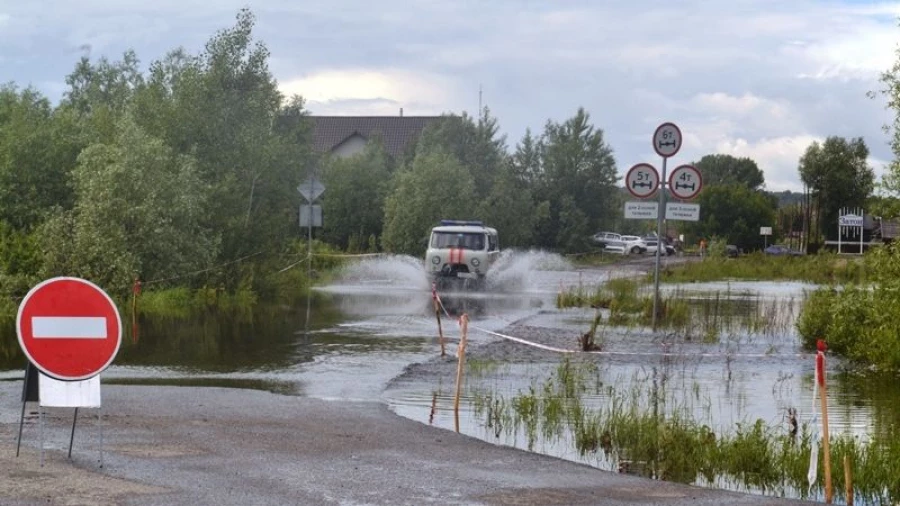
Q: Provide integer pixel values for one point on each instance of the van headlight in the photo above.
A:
(436, 260)
(476, 262)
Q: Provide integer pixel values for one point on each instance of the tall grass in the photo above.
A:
(823, 268)
(644, 431)
(705, 317)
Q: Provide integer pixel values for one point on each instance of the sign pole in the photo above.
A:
(659, 243)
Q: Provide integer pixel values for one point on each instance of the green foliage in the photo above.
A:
(576, 176)
(733, 212)
(647, 431)
(838, 175)
(823, 268)
(137, 213)
(37, 152)
(434, 187)
(351, 182)
(859, 322)
(729, 170)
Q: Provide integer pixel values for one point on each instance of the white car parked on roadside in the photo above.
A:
(633, 244)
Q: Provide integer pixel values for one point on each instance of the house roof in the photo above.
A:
(397, 132)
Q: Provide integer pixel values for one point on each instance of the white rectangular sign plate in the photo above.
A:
(68, 327)
(641, 210)
(69, 394)
(765, 230)
(683, 212)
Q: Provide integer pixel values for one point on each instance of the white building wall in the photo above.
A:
(351, 146)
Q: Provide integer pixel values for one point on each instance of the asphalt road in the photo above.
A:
(181, 445)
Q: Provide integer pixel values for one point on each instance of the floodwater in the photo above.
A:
(369, 327)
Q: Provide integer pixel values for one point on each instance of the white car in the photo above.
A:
(633, 244)
(652, 245)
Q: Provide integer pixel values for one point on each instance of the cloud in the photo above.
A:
(347, 91)
(748, 77)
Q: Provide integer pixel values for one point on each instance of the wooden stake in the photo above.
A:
(848, 480)
(461, 354)
(437, 314)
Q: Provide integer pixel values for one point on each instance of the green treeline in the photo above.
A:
(186, 175)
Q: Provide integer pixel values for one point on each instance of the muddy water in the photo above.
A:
(369, 327)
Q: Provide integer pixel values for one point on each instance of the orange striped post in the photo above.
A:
(820, 377)
(460, 364)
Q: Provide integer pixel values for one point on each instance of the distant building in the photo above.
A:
(347, 135)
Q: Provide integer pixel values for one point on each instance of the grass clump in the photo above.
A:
(822, 268)
(642, 431)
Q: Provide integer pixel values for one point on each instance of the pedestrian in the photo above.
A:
(702, 248)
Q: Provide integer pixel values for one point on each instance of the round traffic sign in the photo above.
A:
(69, 328)
(642, 180)
(667, 140)
(685, 182)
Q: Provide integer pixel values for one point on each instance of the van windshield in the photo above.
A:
(443, 240)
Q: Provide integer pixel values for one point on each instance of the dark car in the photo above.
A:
(732, 251)
(781, 250)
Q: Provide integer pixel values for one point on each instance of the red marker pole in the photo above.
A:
(820, 377)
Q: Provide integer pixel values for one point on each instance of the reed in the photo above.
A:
(645, 431)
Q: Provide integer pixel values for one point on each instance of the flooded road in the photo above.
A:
(372, 336)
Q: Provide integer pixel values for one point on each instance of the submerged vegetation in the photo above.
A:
(706, 317)
(823, 268)
(648, 431)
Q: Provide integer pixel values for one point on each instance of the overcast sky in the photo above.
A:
(756, 78)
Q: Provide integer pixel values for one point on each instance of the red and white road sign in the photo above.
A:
(69, 328)
(685, 182)
(642, 180)
(667, 139)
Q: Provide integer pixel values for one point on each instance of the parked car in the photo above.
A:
(652, 245)
(781, 250)
(633, 244)
(732, 251)
(604, 238)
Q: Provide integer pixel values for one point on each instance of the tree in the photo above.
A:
(734, 212)
(509, 208)
(578, 167)
(838, 175)
(138, 211)
(36, 158)
(362, 178)
(435, 186)
(726, 169)
(475, 144)
(223, 108)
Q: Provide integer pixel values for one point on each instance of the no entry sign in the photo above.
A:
(69, 328)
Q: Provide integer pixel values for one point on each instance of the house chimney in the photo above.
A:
(401, 112)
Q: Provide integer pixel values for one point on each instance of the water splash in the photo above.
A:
(389, 270)
(520, 270)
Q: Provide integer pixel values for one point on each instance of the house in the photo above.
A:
(347, 135)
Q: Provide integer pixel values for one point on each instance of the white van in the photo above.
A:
(461, 249)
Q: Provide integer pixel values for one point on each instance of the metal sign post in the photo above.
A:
(765, 232)
(851, 223)
(666, 142)
(311, 189)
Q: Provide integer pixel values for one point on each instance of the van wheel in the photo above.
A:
(635, 250)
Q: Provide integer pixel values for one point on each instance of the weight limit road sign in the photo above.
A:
(642, 180)
(685, 182)
(69, 328)
(667, 140)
